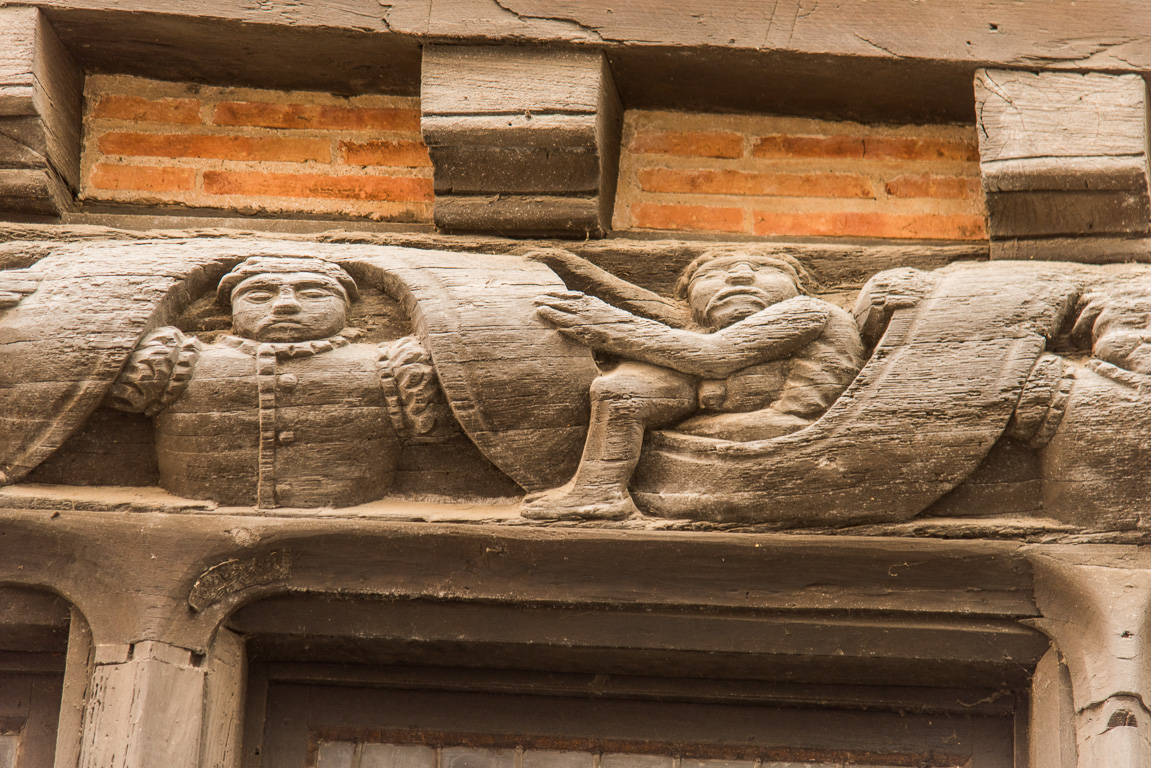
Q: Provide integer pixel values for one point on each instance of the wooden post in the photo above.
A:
(1096, 608)
(1063, 155)
(40, 93)
(156, 704)
(523, 141)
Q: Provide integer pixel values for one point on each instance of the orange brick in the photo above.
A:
(270, 115)
(144, 178)
(695, 217)
(262, 148)
(119, 106)
(926, 185)
(314, 185)
(401, 154)
(885, 225)
(902, 148)
(783, 147)
(711, 182)
(689, 143)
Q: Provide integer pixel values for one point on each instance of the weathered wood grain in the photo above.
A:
(40, 90)
(468, 170)
(528, 130)
(466, 80)
(1022, 35)
(512, 122)
(1063, 154)
(521, 214)
(962, 425)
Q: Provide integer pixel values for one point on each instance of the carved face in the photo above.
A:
(728, 289)
(288, 306)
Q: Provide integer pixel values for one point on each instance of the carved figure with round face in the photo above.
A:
(288, 307)
(728, 289)
(287, 299)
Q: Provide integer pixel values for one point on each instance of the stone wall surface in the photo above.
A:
(148, 142)
(779, 176)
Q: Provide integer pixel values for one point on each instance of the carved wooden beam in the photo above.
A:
(524, 141)
(40, 91)
(1063, 155)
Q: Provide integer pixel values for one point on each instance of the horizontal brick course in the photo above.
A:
(313, 116)
(883, 225)
(407, 154)
(146, 178)
(217, 147)
(825, 147)
(927, 185)
(713, 182)
(902, 148)
(116, 106)
(255, 184)
(689, 143)
(698, 217)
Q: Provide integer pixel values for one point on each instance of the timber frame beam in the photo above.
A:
(843, 59)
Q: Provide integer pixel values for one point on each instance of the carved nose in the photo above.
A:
(741, 275)
(286, 303)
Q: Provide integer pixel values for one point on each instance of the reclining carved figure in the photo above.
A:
(763, 360)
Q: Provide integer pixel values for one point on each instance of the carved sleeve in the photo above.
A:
(779, 331)
(156, 374)
(416, 404)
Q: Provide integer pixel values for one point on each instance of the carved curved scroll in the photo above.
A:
(924, 411)
(64, 342)
(518, 388)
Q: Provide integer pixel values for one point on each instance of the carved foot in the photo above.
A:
(571, 503)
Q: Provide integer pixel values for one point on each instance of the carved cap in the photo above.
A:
(262, 265)
(784, 262)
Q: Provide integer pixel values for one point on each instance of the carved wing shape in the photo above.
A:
(518, 388)
(64, 341)
(932, 400)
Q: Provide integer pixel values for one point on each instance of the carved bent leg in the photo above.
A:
(624, 402)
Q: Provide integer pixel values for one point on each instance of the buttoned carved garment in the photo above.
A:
(307, 424)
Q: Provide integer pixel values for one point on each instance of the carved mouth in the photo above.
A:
(739, 291)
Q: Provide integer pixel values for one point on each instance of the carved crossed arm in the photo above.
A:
(580, 274)
(773, 333)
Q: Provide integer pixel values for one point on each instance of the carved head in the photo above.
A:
(1117, 323)
(287, 298)
(725, 286)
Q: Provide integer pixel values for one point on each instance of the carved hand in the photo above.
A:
(587, 319)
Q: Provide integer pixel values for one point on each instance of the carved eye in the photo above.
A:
(258, 296)
(314, 293)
